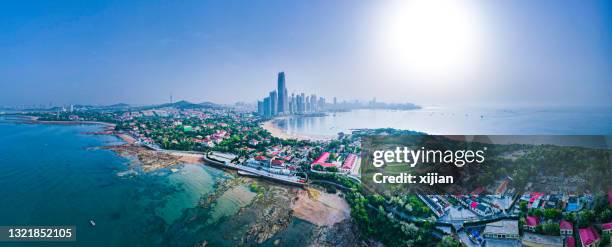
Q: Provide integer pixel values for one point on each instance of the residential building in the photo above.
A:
(607, 228)
(570, 242)
(589, 237)
(531, 222)
(566, 228)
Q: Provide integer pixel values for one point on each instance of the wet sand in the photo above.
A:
(320, 208)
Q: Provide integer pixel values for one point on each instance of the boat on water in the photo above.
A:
(92, 222)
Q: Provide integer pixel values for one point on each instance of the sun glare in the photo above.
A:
(429, 38)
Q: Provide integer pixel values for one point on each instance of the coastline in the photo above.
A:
(275, 131)
(314, 206)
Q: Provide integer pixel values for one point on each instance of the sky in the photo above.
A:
(441, 52)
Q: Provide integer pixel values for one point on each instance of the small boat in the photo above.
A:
(92, 222)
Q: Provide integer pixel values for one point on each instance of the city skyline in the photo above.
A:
(476, 52)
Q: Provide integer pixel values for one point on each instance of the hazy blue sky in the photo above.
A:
(503, 52)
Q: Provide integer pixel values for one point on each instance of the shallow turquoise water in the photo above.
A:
(55, 175)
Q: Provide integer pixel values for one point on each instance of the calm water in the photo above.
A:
(461, 121)
(55, 175)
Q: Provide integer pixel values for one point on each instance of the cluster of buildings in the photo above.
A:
(349, 165)
(280, 103)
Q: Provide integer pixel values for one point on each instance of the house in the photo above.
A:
(589, 237)
(278, 162)
(531, 222)
(566, 228)
(253, 142)
(607, 228)
(322, 160)
(504, 229)
(570, 242)
(349, 162)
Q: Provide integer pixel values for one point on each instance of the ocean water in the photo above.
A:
(57, 175)
(461, 121)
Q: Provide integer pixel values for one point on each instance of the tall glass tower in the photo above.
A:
(282, 93)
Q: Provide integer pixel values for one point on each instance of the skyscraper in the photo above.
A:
(266, 107)
(260, 108)
(273, 103)
(282, 93)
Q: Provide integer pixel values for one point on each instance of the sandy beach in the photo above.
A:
(279, 133)
(319, 208)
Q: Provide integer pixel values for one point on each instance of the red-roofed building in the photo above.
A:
(566, 228)
(473, 205)
(322, 159)
(260, 158)
(531, 222)
(501, 189)
(570, 242)
(534, 200)
(589, 237)
(477, 191)
(607, 228)
(278, 162)
(349, 162)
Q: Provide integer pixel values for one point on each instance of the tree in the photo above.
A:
(523, 206)
(552, 213)
(331, 169)
(319, 167)
(448, 241)
(585, 218)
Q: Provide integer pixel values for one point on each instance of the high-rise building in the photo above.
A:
(273, 103)
(260, 108)
(282, 93)
(313, 103)
(266, 107)
(321, 103)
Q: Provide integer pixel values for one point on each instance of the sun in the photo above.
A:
(429, 38)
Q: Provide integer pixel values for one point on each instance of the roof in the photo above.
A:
(277, 162)
(260, 157)
(503, 227)
(473, 205)
(565, 225)
(535, 196)
(588, 235)
(532, 221)
(321, 158)
(502, 187)
(607, 226)
(570, 242)
(349, 161)
(477, 191)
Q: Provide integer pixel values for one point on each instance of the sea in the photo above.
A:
(57, 175)
(438, 120)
